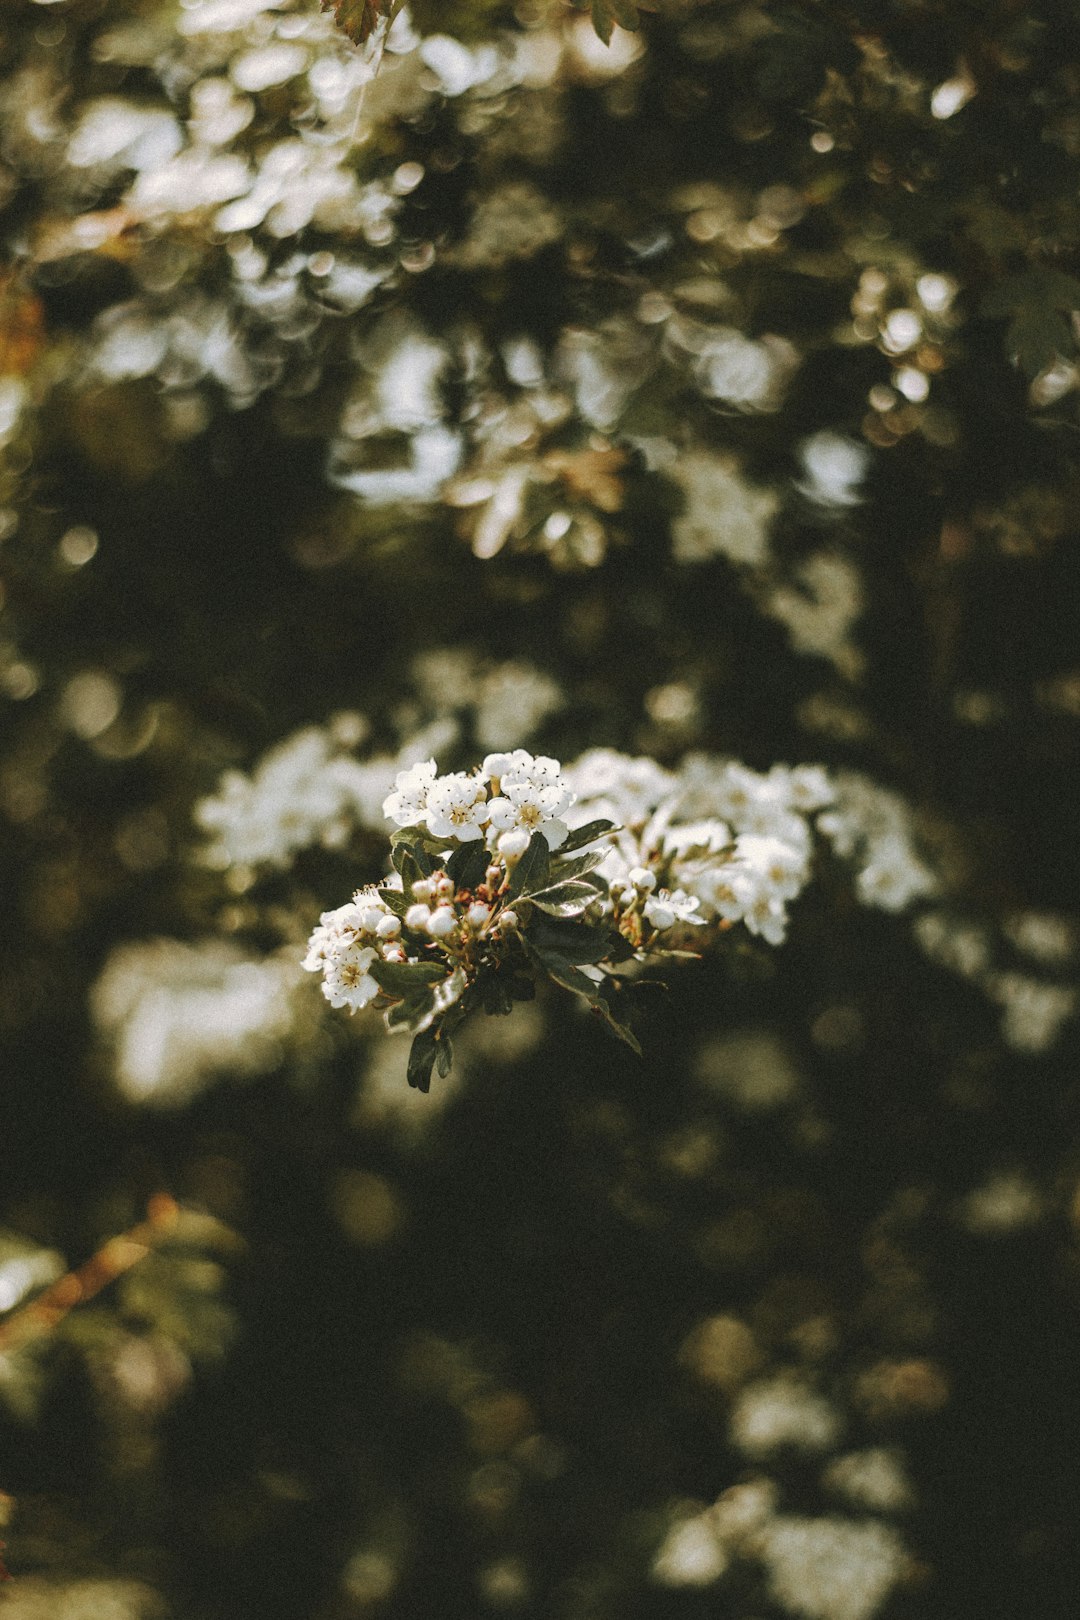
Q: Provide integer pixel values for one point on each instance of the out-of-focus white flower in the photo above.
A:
(820, 607)
(781, 1412)
(176, 1014)
(723, 514)
(1034, 1010)
(833, 468)
(874, 1479)
(831, 1568)
(113, 133)
(1007, 1202)
(690, 1554)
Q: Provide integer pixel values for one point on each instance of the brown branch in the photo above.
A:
(115, 1257)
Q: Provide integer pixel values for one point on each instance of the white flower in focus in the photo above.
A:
(665, 908)
(347, 982)
(533, 807)
(457, 806)
(407, 805)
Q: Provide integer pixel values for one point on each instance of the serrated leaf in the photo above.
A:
(405, 978)
(588, 834)
(410, 859)
(562, 871)
(358, 19)
(575, 941)
(422, 1055)
(565, 899)
(531, 871)
(396, 899)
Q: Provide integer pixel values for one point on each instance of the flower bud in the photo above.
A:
(423, 889)
(388, 927)
(642, 879)
(370, 918)
(508, 919)
(417, 917)
(444, 888)
(493, 877)
(394, 953)
(513, 844)
(477, 915)
(441, 922)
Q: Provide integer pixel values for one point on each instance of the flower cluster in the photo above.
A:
(519, 870)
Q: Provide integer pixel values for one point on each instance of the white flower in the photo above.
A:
(347, 983)
(532, 809)
(457, 806)
(665, 908)
(407, 804)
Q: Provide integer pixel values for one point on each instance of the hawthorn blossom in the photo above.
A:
(407, 805)
(457, 806)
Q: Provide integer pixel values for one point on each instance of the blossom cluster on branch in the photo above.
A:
(517, 871)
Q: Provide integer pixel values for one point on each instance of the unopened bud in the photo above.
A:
(477, 915)
(417, 916)
(493, 877)
(423, 889)
(388, 927)
(444, 888)
(370, 918)
(513, 844)
(441, 922)
(642, 878)
(508, 919)
(393, 953)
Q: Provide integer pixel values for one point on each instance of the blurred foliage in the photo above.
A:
(486, 1351)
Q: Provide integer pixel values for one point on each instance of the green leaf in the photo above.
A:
(444, 1055)
(422, 1057)
(531, 871)
(468, 864)
(588, 834)
(563, 870)
(409, 857)
(565, 899)
(621, 1031)
(565, 973)
(450, 990)
(405, 978)
(496, 995)
(1052, 289)
(576, 941)
(1037, 304)
(414, 1013)
(396, 899)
